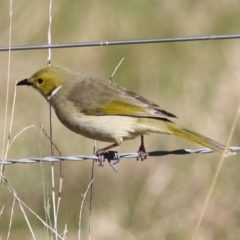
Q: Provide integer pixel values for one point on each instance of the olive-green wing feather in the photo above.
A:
(99, 97)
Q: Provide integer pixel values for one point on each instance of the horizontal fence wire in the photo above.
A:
(112, 157)
(120, 42)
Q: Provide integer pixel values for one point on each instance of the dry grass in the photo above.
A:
(161, 198)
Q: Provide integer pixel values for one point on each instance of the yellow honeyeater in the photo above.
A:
(103, 111)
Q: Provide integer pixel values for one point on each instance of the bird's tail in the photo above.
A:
(198, 138)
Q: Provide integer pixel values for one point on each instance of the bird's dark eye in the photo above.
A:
(40, 81)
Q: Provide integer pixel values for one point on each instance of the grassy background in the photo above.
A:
(160, 198)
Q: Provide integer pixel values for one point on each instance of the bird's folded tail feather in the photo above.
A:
(198, 138)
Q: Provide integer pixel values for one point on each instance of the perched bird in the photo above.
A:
(103, 111)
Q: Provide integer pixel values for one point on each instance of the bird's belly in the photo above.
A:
(104, 128)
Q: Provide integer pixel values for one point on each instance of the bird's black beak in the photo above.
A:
(24, 82)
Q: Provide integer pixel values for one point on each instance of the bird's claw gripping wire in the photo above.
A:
(112, 157)
(142, 154)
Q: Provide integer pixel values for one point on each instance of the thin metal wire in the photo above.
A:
(112, 156)
(120, 42)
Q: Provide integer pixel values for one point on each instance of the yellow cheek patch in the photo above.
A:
(117, 108)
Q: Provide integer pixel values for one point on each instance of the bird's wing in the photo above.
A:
(98, 97)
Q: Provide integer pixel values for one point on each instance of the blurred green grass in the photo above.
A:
(198, 81)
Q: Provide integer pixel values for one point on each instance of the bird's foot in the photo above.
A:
(101, 157)
(141, 151)
(110, 156)
(102, 154)
(142, 155)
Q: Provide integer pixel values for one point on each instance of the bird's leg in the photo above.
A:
(142, 152)
(100, 153)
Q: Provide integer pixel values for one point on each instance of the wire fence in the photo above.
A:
(112, 157)
(120, 42)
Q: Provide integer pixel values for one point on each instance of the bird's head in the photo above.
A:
(46, 80)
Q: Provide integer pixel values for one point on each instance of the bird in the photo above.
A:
(101, 110)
